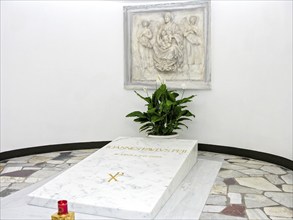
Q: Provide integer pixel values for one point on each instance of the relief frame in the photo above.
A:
(170, 40)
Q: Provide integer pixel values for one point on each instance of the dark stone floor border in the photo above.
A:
(202, 147)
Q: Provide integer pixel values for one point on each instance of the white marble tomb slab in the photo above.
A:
(129, 178)
(187, 202)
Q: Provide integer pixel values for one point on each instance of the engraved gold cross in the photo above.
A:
(115, 176)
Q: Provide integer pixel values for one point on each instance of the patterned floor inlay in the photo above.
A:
(19, 173)
(245, 189)
(7, 192)
(234, 210)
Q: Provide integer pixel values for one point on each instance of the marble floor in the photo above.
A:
(244, 188)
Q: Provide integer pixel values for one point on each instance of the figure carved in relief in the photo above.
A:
(193, 42)
(168, 46)
(144, 45)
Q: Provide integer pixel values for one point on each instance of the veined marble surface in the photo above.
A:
(128, 178)
(187, 202)
(22, 175)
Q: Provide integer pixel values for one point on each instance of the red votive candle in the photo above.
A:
(62, 207)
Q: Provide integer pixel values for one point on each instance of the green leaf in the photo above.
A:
(136, 114)
(187, 113)
(183, 119)
(151, 111)
(156, 118)
(141, 120)
(160, 92)
(172, 95)
(169, 103)
(146, 126)
(147, 99)
(185, 100)
(182, 125)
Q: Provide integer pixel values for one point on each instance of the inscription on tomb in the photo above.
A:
(149, 149)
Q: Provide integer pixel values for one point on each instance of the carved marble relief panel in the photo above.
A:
(171, 40)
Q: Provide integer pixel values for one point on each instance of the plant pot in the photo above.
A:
(163, 136)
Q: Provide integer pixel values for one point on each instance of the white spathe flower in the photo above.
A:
(158, 82)
(159, 78)
(145, 90)
(183, 86)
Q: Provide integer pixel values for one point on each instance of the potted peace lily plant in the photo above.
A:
(165, 112)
